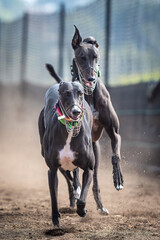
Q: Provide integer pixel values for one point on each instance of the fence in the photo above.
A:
(127, 32)
(139, 116)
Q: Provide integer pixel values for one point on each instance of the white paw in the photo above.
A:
(119, 187)
(103, 211)
(77, 193)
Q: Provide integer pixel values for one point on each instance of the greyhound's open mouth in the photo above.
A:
(76, 118)
(88, 86)
(87, 83)
(78, 115)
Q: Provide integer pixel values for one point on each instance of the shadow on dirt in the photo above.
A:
(55, 232)
(59, 231)
(67, 210)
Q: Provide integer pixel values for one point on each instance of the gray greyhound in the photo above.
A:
(74, 186)
(65, 125)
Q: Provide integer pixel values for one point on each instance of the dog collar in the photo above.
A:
(72, 126)
(60, 115)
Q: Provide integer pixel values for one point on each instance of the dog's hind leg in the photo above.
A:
(70, 187)
(53, 187)
(95, 188)
(41, 128)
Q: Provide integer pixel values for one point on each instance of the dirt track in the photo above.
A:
(24, 197)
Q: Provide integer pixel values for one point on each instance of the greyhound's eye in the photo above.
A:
(95, 56)
(80, 93)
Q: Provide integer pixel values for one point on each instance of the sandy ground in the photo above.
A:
(25, 211)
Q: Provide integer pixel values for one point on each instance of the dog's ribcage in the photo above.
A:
(67, 156)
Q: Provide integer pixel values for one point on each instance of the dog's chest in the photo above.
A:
(95, 114)
(67, 156)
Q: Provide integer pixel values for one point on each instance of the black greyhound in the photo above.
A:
(65, 125)
(85, 69)
(74, 186)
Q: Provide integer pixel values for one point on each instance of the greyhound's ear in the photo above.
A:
(76, 38)
(60, 86)
(61, 83)
(96, 44)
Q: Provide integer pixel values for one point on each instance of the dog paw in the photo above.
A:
(118, 179)
(103, 211)
(81, 211)
(119, 187)
(117, 175)
(77, 193)
(56, 220)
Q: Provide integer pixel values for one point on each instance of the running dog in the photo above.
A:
(65, 125)
(85, 69)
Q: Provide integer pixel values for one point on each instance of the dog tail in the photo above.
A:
(52, 72)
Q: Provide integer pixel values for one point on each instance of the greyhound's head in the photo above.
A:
(86, 59)
(71, 99)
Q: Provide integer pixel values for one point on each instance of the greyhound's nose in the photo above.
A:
(76, 112)
(91, 79)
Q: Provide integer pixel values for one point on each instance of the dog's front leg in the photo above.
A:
(109, 120)
(53, 187)
(81, 202)
(116, 157)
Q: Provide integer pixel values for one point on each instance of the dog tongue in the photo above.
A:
(89, 84)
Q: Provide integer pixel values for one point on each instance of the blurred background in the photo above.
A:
(35, 32)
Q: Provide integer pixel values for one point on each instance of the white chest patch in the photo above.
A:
(67, 156)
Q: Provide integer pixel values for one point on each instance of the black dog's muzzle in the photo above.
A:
(73, 112)
(76, 111)
(88, 85)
